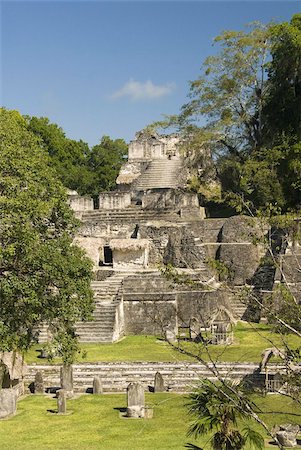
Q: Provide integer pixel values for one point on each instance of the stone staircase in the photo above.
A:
(160, 173)
(178, 376)
(133, 213)
(239, 308)
(107, 296)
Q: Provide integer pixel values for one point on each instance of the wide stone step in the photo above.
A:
(116, 376)
(127, 214)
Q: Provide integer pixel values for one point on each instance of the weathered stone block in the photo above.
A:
(135, 400)
(135, 394)
(286, 439)
(66, 376)
(39, 383)
(159, 383)
(8, 402)
(61, 401)
(97, 386)
(147, 412)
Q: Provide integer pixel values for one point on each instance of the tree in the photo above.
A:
(217, 407)
(104, 163)
(249, 96)
(85, 170)
(43, 276)
(67, 156)
(282, 108)
(229, 92)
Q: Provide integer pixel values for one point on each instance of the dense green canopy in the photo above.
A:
(43, 277)
(88, 171)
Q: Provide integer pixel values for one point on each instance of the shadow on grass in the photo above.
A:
(120, 409)
(250, 330)
(192, 446)
(273, 443)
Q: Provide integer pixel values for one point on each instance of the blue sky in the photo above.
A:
(112, 67)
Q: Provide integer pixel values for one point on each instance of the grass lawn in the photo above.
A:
(95, 423)
(249, 342)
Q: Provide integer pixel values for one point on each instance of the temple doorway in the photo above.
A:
(107, 256)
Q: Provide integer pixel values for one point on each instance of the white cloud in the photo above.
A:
(136, 90)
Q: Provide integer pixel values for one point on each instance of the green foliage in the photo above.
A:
(43, 277)
(249, 94)
(87, 171)
(67, 156)
(217, 408)
(230, 90)
(104, 162)
(220, 268)
(283, 101)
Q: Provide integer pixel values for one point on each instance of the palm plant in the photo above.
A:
(216, 407)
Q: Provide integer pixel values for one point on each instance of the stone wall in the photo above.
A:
(200, 305)
(152, 145)
(79, 203)
(178, 376)
(169, 198)
(114, 200)
(150, 317)
(241, 249)
(129, 258)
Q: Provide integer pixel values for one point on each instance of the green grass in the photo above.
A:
(95, 423)
(249, 342)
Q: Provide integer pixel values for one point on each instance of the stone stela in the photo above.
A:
(39, 383)
(159, 383)
(66, 376)
(61, 401)
(135, 401)
(97, 386)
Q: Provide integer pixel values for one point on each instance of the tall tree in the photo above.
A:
(104, 163)
(43, 276)
(229, 92)
(86, 170)
(67, 156)
(249, 96)
(283, 99)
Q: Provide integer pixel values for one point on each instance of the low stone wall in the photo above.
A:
(114, 200)
(169, 198)
(115, 377)
(79, 203)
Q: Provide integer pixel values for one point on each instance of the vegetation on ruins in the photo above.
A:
(43, 277)
(88, 171)
(249, 95)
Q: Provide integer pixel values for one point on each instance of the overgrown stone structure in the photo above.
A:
(12, 372)
(152, 220)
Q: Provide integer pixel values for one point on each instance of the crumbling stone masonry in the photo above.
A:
(152, 220)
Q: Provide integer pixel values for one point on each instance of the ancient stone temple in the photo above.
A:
(152, 220)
